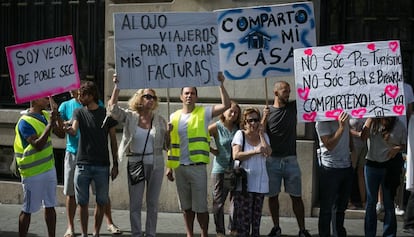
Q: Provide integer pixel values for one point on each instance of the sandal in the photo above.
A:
(114, 229)
(69, 233)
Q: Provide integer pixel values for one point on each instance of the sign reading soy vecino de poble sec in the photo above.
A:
(258, 42)
(166, 50)
(362, 79)
(42, 68)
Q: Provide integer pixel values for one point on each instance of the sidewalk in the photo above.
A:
(169, 224)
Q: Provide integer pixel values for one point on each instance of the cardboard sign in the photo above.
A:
(166, 50)
(42, 68)
(258, 42)
(362, 79)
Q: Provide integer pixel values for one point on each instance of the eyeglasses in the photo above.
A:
(149, 97)
(253, 120)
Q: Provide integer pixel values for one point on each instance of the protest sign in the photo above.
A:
(166, 50)
(362, 79)
(42, 68)
(258, 42)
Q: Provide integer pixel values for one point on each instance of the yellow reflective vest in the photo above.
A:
(31, 161)
(198, 138)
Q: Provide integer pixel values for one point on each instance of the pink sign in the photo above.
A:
(362, 79)
(42, 68)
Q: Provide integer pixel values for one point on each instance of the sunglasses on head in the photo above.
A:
(149, 97)
(253, 120)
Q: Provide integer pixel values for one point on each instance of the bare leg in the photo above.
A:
(99, 213)
(24, 223)
(274, 209)
(70, 212)
(299, 210)
(84, 215)
(50, 218)
(189, 216)
(203, 219)
(108, 213)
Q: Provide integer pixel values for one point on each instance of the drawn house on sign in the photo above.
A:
(257, 40)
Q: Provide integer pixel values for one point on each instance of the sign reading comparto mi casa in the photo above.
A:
(166, 50)
(42, 68)
(362, 79)
(258, 42)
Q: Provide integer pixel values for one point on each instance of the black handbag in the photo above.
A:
(136, 170)
(234, 175)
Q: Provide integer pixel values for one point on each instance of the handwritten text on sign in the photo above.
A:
(42, 68)
(258, 42)
(363, 79)
(164, 50)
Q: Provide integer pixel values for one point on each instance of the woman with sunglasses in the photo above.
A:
(144, 138)
(251, 148)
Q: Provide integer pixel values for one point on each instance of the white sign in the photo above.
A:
(166, 50)
(362, 79)
(258, 42)
(42, 68)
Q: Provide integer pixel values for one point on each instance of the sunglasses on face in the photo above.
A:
(149, 97)
(253, 120)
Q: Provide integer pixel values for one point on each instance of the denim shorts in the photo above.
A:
(286, 169)
(84, 175)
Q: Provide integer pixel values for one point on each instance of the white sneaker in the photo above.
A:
(398, 211)
(379, 208)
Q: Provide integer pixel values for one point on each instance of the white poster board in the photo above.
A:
(258, 42)
(362, 79)
(42, 68)
(166, 50)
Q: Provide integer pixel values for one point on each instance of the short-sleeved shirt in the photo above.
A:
(255, 166)
(223, 144)
(281, 128)
(93, 140)
(66, 111)
(182, 133)
(378, 148)
(339, 156)
(26, 130)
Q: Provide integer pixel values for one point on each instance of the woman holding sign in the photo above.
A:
(386, 140)
(143, 140)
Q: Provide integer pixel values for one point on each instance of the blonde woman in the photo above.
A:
(144, 138)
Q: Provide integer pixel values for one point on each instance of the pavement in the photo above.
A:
(169, 224)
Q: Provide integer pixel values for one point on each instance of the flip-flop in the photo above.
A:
(69, 233)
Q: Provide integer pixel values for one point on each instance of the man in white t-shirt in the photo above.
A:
(189, 154)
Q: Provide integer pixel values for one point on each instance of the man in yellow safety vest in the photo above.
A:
(189, 154)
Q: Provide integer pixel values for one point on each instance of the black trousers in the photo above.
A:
(409, 213)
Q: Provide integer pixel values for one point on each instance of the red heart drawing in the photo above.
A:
(398, 109)
(303, 93)
(371, 46)
(308, 52)
(333, 113)
(393, 45)
(391, 91)
(309, 116)
(337, 48)
(358, 113)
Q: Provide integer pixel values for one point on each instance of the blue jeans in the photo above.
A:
(84, 174)
(334, 191)
(374, 177)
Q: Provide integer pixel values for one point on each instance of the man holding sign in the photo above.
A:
(34, 155)
(189, 154)
(335, 174)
